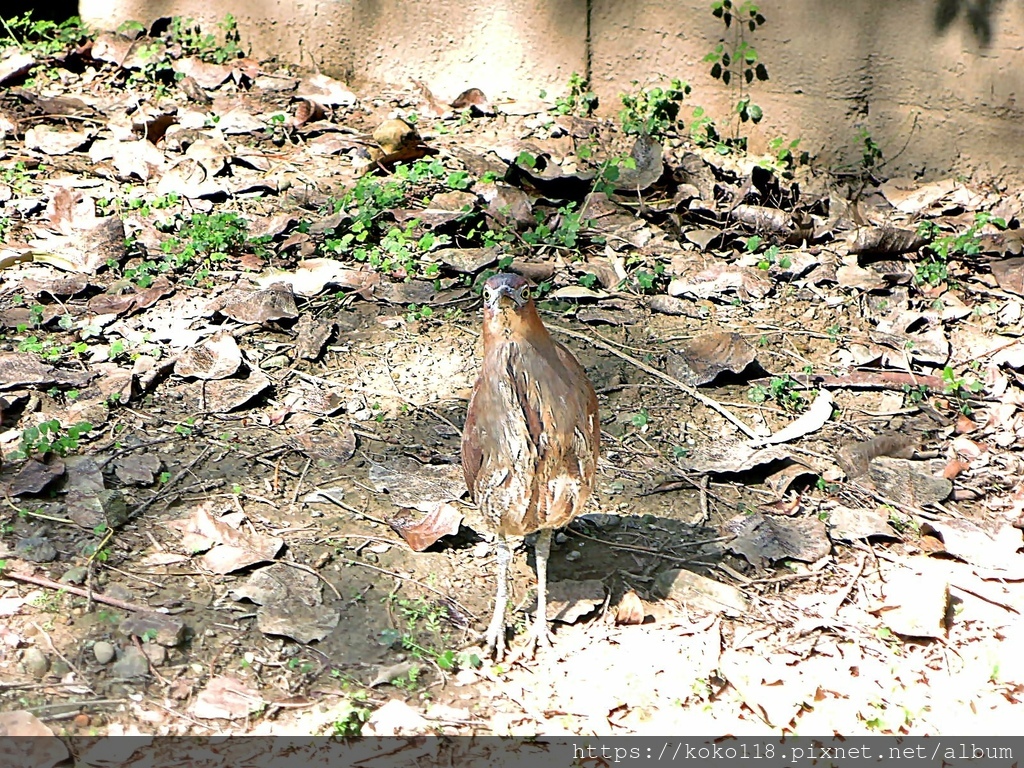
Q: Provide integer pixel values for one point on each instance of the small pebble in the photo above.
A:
(35, 661)
(481, 549)
(133, 663)
(75, 575)
(602, 521)
(157, 653)
(36, 549)
(104, 652)
(573, 556)
(119, 592)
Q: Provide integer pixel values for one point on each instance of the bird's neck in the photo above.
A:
(504, 326)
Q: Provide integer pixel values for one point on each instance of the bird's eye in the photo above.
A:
(488, 294)
(524, 293)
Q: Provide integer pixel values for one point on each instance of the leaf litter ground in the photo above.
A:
(240, 324)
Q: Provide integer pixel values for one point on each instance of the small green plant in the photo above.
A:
(216, 48)
(870, 153)
(19, 178)
(561, 231)
(780, 389)
(914, 395)
(901, 522)
(350, 716)
(784, 154)
(771, 256)
(734, 61)
(650, 280)
(49, 350)
(578, 100)
(425, 634)
(941, 249)
(960, 387)
(41, 36)
(185, 429)
(368, 235)
(49, 437)
(415, 313)
(825, 487)
(653, 111)
(205, 239)
(641, 419)
(608, 171)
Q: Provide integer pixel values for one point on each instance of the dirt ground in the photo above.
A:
(231, 548)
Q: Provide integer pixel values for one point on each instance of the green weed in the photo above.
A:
(653, 111)
(782, 390)
(941, 249)
(578, 100)
(49, 437)
(42, 36)
(216, 47)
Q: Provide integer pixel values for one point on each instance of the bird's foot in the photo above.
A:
(494, 640)
(538, 641)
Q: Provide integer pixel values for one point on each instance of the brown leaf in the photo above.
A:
(226, 698)
(228, 394)
(218, 357)
(60, 287)
(884, 240)
(953, 468)
(764, 219)
(33, 476)
(475, 99)
(313, 334)
(1009, 274)
(14, 64)
(207, 74)
(262, 307)
(763, 539)
(326, 90)
(19, 369)
(337, 445)
(703, 359)
(308, 111)
(442, 520)
(630, 610)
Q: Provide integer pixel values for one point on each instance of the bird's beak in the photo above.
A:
(502, 297)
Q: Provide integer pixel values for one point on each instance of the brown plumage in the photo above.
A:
(530, 445)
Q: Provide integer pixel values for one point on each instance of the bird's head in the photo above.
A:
(506, 291)
(508, 306)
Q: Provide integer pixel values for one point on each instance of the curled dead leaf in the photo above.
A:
(630, 610)
(443, 520)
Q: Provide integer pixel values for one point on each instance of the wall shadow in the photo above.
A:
(978, 15)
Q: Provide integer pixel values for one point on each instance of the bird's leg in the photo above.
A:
(540, 623)
(495, 637)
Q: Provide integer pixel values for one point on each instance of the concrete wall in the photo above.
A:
(936, 82)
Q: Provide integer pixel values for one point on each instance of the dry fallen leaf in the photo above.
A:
(443, 520)
(630, 610)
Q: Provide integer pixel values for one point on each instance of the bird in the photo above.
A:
(531, 440)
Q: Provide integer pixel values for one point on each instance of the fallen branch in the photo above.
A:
(863, 380)
(691, 391)
(42, 581)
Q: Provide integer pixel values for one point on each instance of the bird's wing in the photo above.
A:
(498, 453)
(472, 453)
(559, 408)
